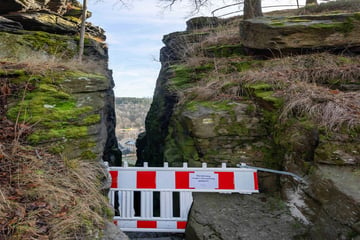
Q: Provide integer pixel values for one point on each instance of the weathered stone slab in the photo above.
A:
(235, 216)
(302, 32)
(7, 25)
(57, 6)
(44, 22)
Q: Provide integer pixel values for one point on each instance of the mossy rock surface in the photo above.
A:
(37, 21)
(301, 32)
(224, 51)
(40, 44)
(59, 115)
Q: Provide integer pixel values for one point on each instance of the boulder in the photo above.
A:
(233, 216)
(330, 202)
(7, 6)
(334, 31)
(41, 21)
(56, 6)
(112, 232)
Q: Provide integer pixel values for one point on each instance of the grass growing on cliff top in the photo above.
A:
(315, 85)
(320, 86)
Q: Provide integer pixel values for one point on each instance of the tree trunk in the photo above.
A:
(82, 30)
(252, 9)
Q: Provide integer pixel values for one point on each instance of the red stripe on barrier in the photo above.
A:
(182, 180)
(114, 179)
(256, 183)
(226, 180)
(181, 225)
(146, 224)
(146, 179)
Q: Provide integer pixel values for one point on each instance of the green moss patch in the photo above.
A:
(185, 77)
(53, 44)
(41, 136)
(264, 92)
(179, 147)
(52, 110)
(215, 105)
(82, 75)
(225, 51)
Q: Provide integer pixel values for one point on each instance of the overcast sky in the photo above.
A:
(134, 36)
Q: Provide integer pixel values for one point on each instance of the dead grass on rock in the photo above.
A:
(330, 108)
(309, 84)
(43, 196)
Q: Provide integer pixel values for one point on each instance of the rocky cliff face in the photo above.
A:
(225, 95)
(57, 105)
(50, 40)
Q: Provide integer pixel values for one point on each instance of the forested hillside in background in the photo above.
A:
(130, 116)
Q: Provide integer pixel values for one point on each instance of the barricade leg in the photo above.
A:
(146, 204)
(126, 202)
(186, 200)
(166, 204)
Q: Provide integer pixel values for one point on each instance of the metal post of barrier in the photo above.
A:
(296, 177)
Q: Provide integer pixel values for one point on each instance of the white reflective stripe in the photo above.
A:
(244, 181)
(166, 204)
(127, 224)
(165, 179)
(167, 224)
(126, 202)
(127, 179)
(186, 200)
(146, 204)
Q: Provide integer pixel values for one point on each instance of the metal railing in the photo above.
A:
(242, 3)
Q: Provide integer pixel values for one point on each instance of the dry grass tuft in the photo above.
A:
(46, 197)
(330, 108)
(44, 63)
(39, 62)
(224, 34)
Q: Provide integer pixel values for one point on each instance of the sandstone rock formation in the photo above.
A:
(215, 101)
(302, 33)
(69, 105)
(56, 6)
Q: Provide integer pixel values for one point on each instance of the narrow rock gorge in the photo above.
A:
(278, 92)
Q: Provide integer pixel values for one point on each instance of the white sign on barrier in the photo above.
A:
(204, 180)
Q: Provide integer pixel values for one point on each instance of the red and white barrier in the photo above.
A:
(203, 179)
(151, 226)
(165, 181)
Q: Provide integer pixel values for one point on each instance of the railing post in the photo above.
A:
(126, 164)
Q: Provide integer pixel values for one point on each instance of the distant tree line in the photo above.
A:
(133, 100)
(131, 112)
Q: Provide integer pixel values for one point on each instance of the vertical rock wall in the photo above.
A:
(64, 107)
(216, 102)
